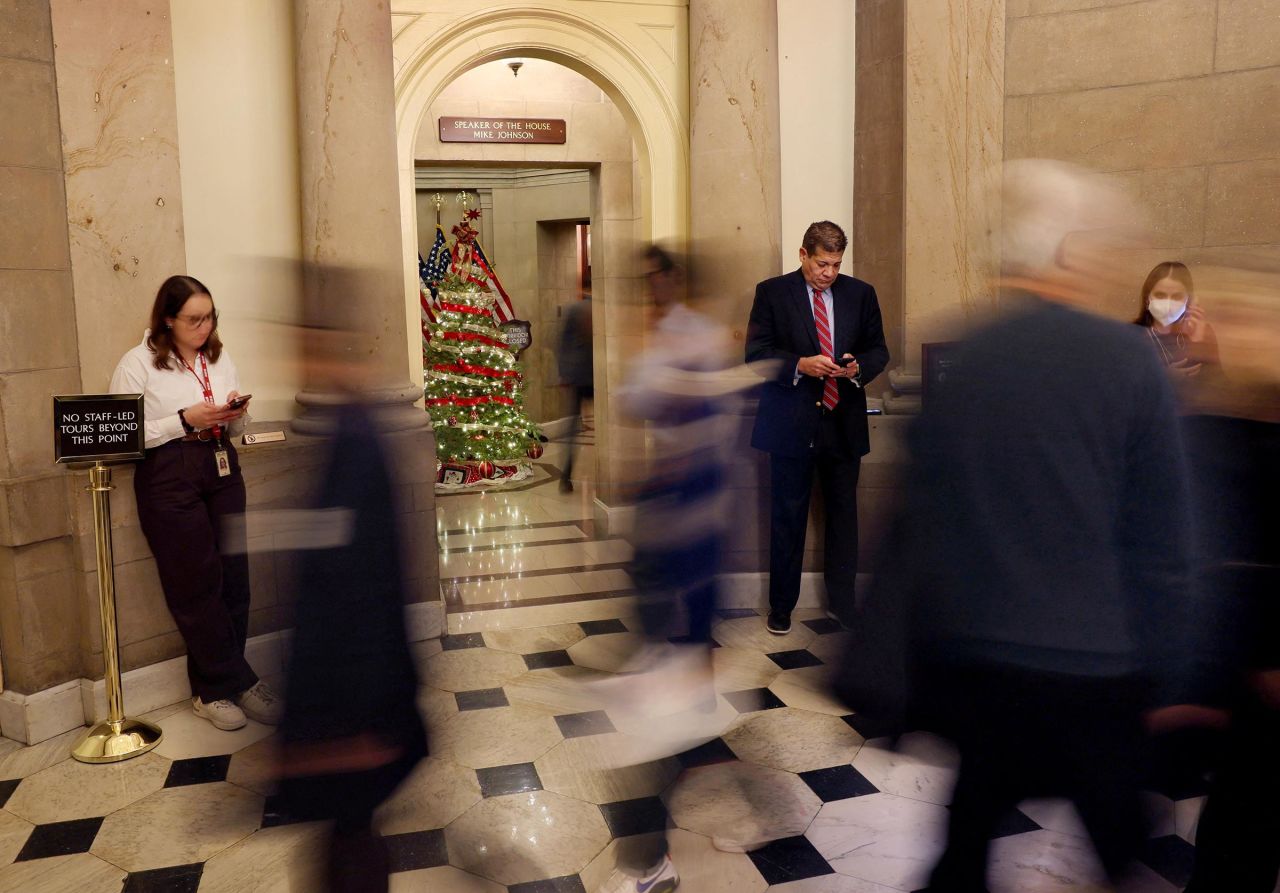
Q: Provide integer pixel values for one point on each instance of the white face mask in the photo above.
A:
(1166, 311)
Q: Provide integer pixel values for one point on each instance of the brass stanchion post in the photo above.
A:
(117, 737)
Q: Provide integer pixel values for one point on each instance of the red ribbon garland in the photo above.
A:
(463, 308)
(469, 401)
(473, 336)
(486, 371)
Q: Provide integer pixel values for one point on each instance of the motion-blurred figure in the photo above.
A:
(683, 390)
(574, 356)
(1049, 526)
(1233, 439)
(351, 731)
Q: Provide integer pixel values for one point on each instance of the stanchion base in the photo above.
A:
(111, 742)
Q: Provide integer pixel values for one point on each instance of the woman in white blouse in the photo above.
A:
(187, 485)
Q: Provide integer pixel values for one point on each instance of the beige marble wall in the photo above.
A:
(124, 196)
(1167, 97)
(876, 240)
(39, 356)
(734, 149)
(952, 130)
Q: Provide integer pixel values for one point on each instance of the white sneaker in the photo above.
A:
(662, 878)
(261, 704)
(222, 713)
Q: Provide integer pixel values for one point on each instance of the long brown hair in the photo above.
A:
(171, 297)
(1169, 269)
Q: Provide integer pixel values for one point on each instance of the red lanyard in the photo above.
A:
(205, 386)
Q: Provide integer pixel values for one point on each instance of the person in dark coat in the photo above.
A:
(824, 332)
(351, 731)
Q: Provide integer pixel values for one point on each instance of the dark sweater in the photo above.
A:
(1049, 510)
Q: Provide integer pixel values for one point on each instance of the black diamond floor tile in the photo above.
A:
(823, 626)
(715, 751)
(869, 727)
(274, 814)
(579, 725)
(515, 779)
(7, 788)
(417, 849)
(175, 879)
(464, 640)
(1015, 822)
(838, 783)
(1170, 857)
(60, 839)
(481, 699)
(789, 859)
(568, 884)
(628, 817)
(602, 627)
(753, 699)
(795, 660)
(543, 659)
(198, 770)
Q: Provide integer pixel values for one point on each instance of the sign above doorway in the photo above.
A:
(502, 130)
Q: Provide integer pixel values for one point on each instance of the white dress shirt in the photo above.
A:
(829, 300)
(165, 391)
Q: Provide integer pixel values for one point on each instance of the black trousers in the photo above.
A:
(1026, 733)
(837, 468)
(1238, 838)
(182, 504)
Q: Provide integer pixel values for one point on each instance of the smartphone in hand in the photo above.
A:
(239, 401)
(845, 361)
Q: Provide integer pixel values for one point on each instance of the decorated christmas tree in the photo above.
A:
(474, 385)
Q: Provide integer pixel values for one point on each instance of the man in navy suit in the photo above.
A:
(813, 413)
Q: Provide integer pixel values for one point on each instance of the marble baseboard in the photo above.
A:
(557, 429)
(42, 715)
(613, 520)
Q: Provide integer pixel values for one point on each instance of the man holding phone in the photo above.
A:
(826, 330)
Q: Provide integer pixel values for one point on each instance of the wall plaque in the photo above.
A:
(502, 130)
(97, 427)
(518, 334)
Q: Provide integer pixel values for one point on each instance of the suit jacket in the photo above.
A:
(782, 328)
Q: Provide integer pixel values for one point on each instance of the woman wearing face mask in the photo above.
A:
(1176, 324)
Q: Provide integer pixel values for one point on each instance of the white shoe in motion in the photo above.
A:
(222, 713)
(662, 879)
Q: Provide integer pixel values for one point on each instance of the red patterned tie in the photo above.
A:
(830, 392)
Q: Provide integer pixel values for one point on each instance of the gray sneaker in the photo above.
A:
(261, 704)
(222, 713)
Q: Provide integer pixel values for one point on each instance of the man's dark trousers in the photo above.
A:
(837, 466)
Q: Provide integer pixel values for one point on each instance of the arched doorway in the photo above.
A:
(640, 65)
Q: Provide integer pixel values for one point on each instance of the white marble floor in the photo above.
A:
(518, 793)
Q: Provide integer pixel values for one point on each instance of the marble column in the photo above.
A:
(353, 265)
(952, 131)
(734, 154)
(735, 206)
(350, 199)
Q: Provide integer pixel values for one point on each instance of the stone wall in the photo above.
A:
(39, 356)
(1174, 98)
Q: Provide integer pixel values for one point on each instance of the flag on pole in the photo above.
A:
(431, 271)
(502, 306)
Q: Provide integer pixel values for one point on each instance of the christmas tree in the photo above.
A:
(473, 383)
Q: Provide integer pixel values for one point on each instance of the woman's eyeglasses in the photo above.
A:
(197, 322)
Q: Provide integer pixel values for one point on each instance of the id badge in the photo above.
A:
(223, 461)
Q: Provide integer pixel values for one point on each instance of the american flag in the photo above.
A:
(431, 271)
(502, 307)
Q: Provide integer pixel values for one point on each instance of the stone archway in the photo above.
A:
(640, 65)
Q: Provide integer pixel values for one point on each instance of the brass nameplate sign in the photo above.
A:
(502, 130)
(98, 427)
(262, 437)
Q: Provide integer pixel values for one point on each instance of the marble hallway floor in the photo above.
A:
(516, 795)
